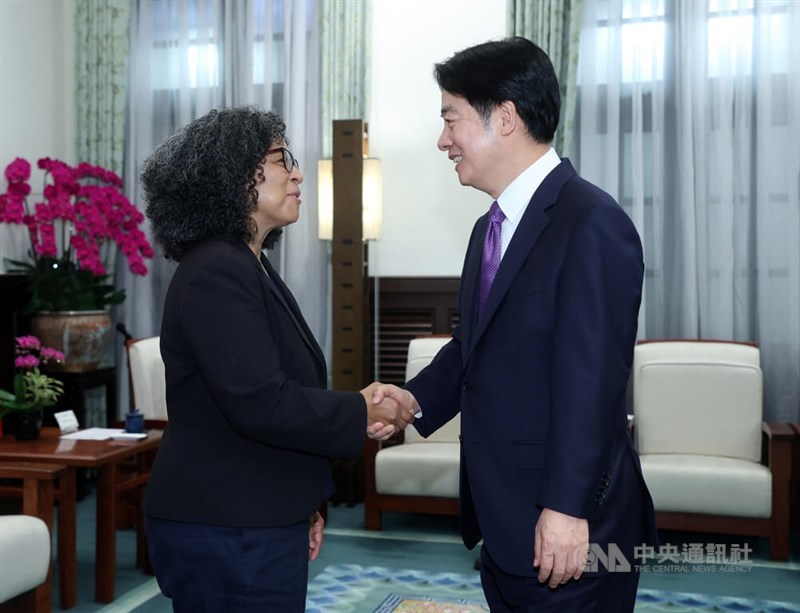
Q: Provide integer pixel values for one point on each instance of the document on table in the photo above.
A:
(103, 434)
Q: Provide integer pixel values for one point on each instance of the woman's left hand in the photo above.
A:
(315, 536)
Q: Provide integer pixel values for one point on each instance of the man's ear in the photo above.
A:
(509, 120)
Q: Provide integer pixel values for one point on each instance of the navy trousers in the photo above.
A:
(608, 593)
(217, 568)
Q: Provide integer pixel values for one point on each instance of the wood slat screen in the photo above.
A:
(409, 307)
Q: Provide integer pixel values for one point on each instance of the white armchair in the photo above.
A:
(417, 475)
(146, 371)
(24, 563)
(699, 431)
(148, 394)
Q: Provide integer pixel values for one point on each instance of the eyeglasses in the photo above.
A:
(289, 161)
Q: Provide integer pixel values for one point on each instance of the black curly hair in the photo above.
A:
(200, 182)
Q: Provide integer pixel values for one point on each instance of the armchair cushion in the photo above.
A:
(418, 469)
(699, 398)
(24, 554)
(705, 484)
(420, 353)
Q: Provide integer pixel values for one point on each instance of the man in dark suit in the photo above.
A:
(549, 301)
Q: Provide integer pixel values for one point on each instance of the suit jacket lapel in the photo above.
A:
(530, 228)
(470, 282)
(285, 298)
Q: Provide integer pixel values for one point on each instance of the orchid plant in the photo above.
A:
(33, 390)
(86, 205)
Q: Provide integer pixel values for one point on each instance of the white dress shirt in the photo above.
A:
(515, 198)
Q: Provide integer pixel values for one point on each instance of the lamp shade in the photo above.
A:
(371, 198)
(325, 199)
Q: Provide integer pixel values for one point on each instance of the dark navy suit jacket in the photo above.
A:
(540, 377)
(251, 425)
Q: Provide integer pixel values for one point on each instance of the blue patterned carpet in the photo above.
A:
(357, 571)
(352, 588)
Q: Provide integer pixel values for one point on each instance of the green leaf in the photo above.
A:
(19, 386)
(59, 285)
(6, 396)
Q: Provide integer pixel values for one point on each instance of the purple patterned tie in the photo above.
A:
(491, 252)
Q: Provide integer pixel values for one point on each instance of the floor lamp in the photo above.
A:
(350, 216)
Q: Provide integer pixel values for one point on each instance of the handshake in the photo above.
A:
(389, 409)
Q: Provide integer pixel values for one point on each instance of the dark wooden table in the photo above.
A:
(104, 456)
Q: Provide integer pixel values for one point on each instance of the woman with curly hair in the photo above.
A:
(244, 462)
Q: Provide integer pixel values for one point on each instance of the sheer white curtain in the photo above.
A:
(554, 25)
(191, 56)
(689, 114)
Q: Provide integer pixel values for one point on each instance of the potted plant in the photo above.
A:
(82, 213)
(21, 409)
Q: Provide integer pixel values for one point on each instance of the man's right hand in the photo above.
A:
(383, 392)
(385, 415)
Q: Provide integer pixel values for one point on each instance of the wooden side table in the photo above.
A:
(37, 499)
(76, 384)
(104, 456)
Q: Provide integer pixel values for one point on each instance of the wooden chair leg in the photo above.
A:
(38, 501)
(142, 557)
(29, 602)
(372, 515)
(794, 486)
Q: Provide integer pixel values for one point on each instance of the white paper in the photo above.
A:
(129, 436)
(94, 434)
(67, 421)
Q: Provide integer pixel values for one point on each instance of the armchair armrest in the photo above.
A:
(777, 431)
(779, 459)
(371, 449)
(778, 452)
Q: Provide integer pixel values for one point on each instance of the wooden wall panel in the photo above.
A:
(350, 317)
(409, 307)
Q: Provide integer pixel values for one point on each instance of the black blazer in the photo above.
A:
(251, 425)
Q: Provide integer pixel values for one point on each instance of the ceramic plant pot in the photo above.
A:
(81, 336)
